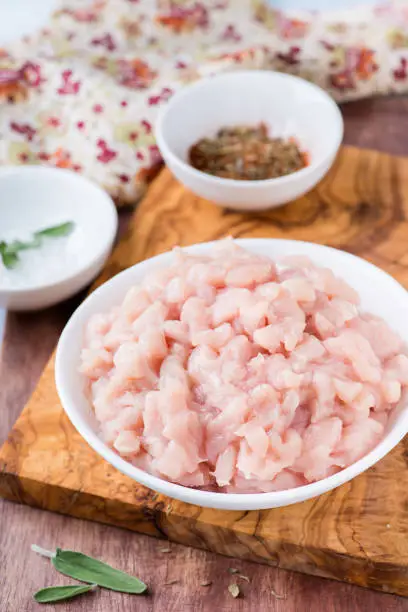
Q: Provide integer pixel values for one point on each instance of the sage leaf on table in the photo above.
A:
(87, 569)
(61, 593)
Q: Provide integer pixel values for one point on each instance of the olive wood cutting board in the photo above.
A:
(357, 533)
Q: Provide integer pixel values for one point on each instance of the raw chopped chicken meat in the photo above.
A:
(234, 373)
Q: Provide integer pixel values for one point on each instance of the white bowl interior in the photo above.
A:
(34, 198)
(288, 105)
(380, 295)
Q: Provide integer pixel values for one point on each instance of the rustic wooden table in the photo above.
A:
(28, 342)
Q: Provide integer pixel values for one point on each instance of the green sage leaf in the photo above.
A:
(10, 259)
(9, 251)
(60, 593)
(56, 230)
(87, 569)
(17, 245)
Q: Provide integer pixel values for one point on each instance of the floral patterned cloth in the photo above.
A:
(84, 92)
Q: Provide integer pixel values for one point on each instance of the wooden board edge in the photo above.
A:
(78, 504)
(156, 521)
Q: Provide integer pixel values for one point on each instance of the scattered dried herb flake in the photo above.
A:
(276, 595)
(243, 577)
(234, 590)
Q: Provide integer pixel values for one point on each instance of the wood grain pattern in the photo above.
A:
(360, 207)
(352, 534)
(144, 557)
(381, 124)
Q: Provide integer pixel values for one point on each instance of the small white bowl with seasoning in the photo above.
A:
(293, 110)
(57, 229)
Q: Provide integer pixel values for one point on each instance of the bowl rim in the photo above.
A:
(312, 167)
(96, 254)
(216, 500)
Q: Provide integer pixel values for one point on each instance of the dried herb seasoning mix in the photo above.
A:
(247, 153)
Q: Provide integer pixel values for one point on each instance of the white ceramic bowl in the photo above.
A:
(33, 198)
(289, 106)
(380, 294)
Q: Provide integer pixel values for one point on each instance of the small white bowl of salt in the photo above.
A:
(57, 229)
